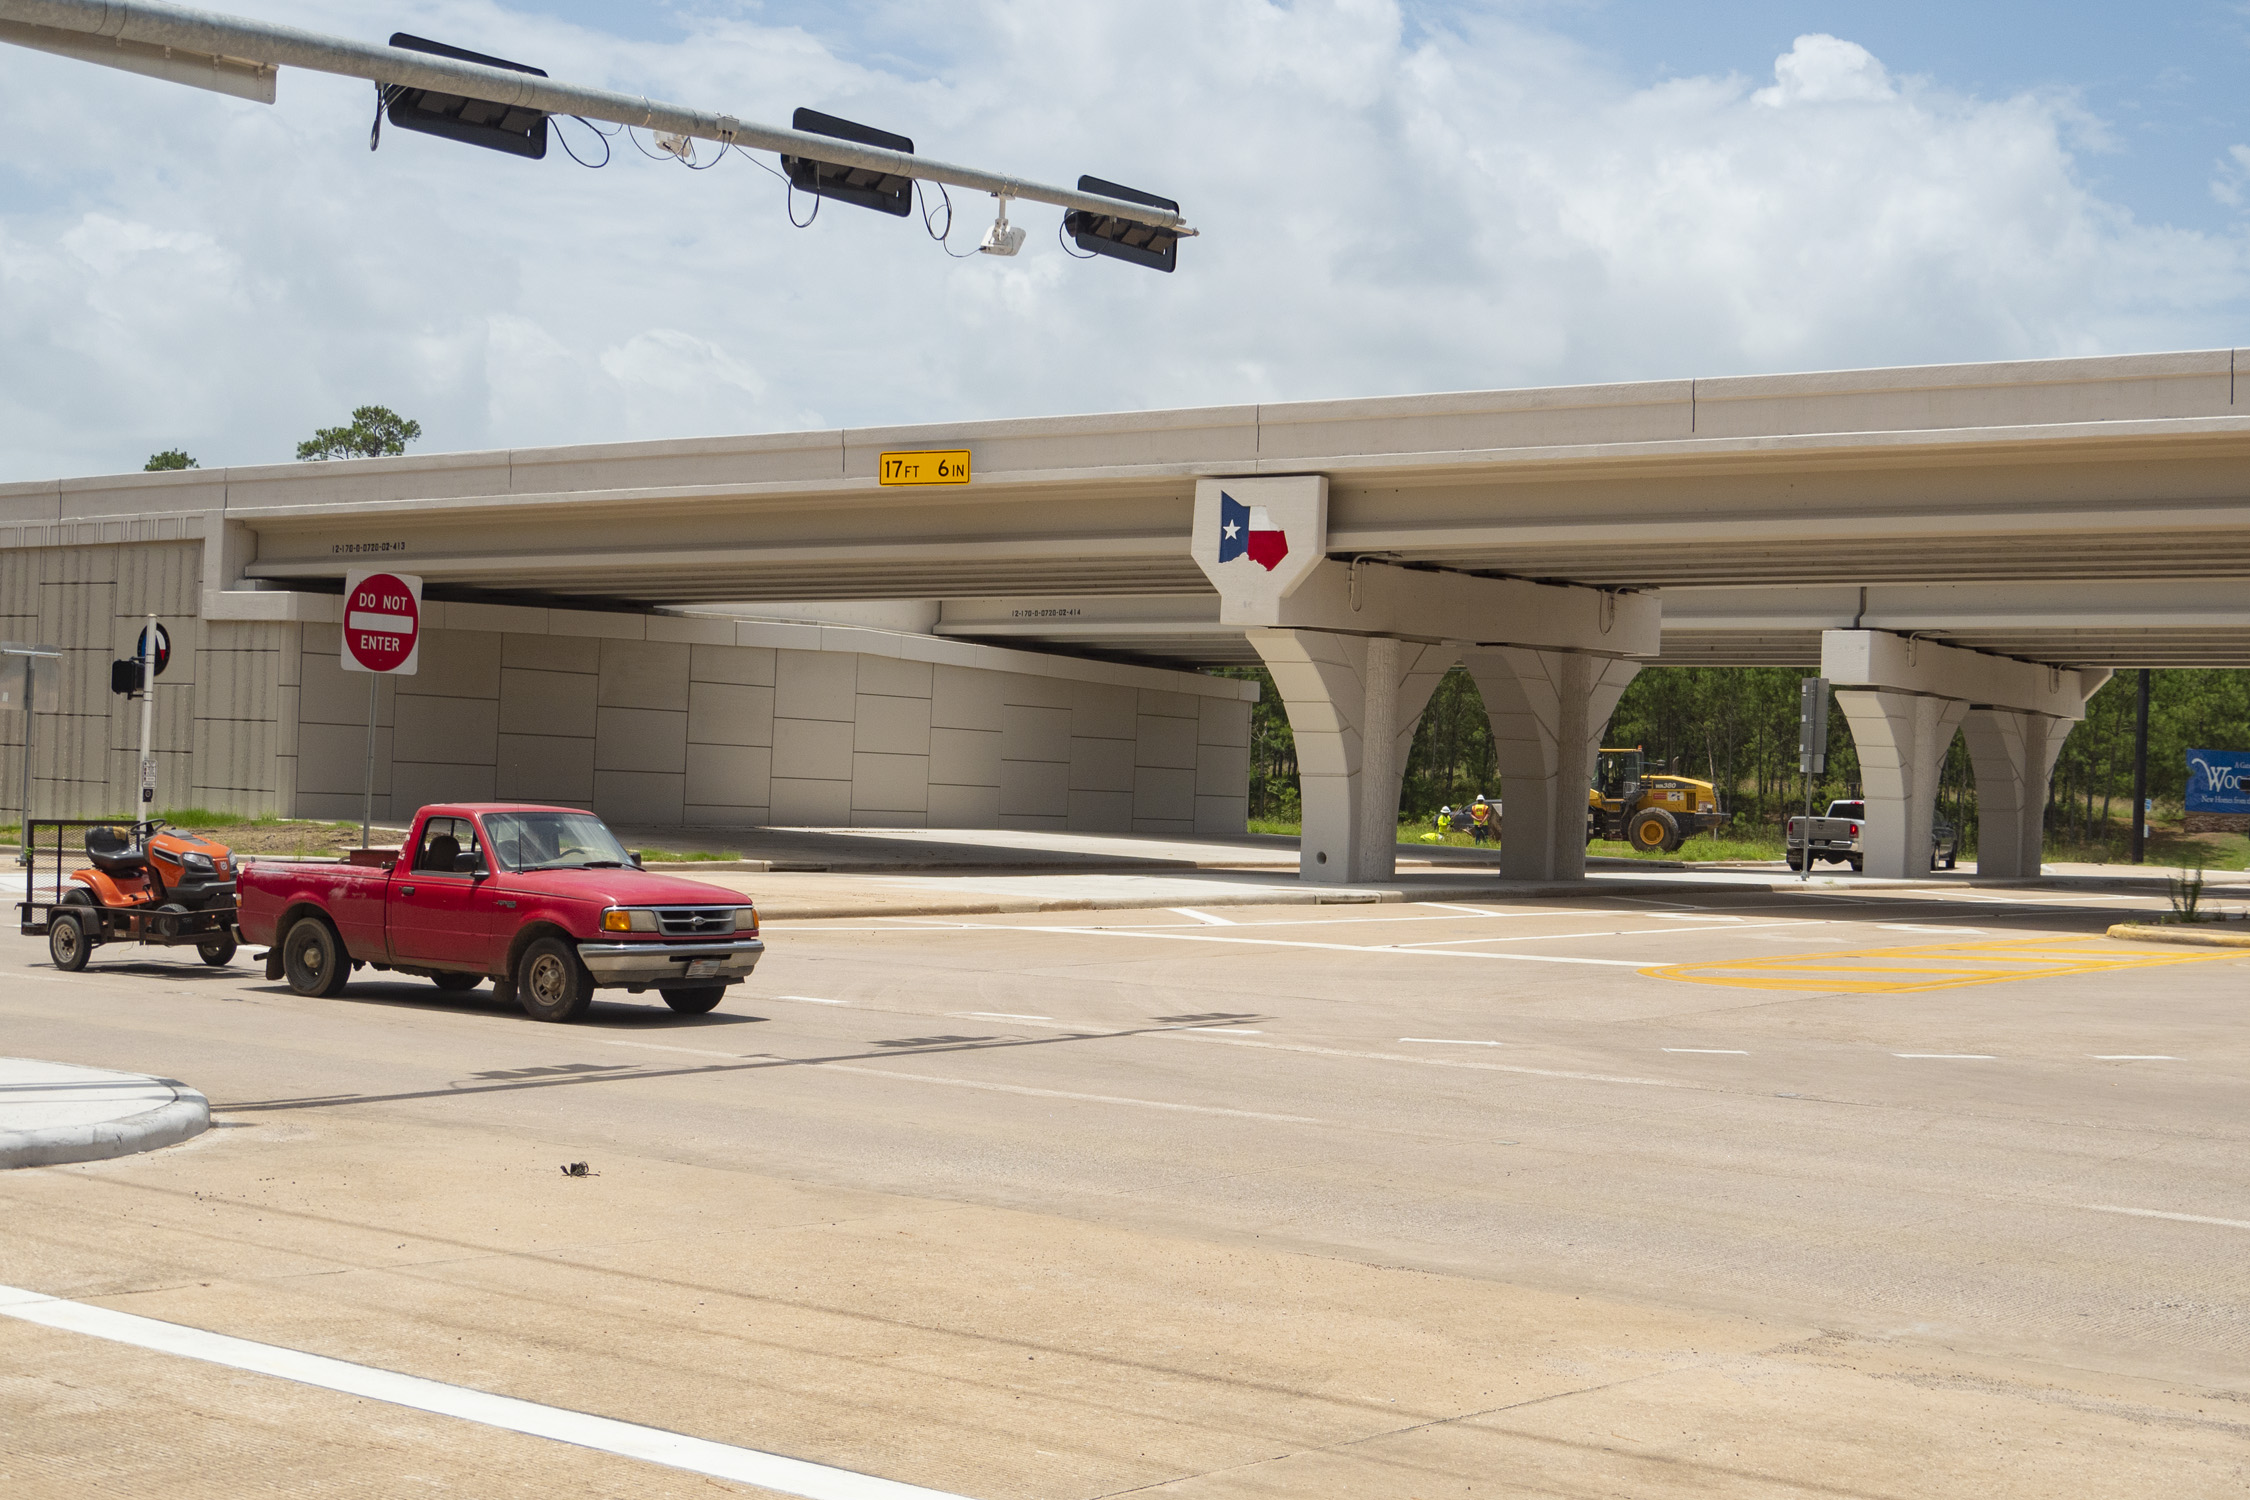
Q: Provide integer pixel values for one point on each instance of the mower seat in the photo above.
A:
(112, 851)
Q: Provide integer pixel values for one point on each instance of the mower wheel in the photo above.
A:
(1653, 829)
(167, 920)
(66, 941)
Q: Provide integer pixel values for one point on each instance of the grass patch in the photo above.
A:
(688, 857)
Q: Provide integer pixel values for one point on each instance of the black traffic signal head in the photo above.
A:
(476, 122)
(881, 191)
(1148, 245)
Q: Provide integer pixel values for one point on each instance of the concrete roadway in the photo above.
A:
(1866, 1193)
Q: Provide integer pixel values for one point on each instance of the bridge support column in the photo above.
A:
(1548, 710)
(2014, 755)
(1902, 740)
(1906, 697)
(1353, 702)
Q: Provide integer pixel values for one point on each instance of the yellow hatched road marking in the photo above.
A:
(1953, 964)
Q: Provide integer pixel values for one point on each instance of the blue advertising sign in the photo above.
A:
(2214, 781)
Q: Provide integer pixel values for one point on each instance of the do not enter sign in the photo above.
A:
(382, 622)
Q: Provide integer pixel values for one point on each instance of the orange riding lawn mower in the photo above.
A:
(147, 884)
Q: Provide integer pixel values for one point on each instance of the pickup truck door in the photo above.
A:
(440, 914)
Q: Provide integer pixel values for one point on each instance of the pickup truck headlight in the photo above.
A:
(746, 920)
(625, 919)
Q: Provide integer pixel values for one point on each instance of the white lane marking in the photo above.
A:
(1450, 1041)
(1950, 1056)
(1690, 916)
(1200, 937)
(1433, 1062)
(1017, 1088)
(2158, 1213)
(2133, 1057)
(1549, 937)
(1711, 1051)
(815, 999)
(993, 1015)
(1227, 1030)
(1208, 919)
(1916, 927)
(692, 1051)
(1474, 911)
(790, 1476)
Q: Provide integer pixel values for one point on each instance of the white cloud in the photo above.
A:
(1385, 210)
(1822, 69)
(2234, 173)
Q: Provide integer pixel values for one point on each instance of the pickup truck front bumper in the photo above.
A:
(645, 965)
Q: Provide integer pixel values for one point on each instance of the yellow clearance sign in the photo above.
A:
(944, 466)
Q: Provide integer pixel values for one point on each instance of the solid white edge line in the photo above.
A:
(808, 999)
(1208, 919)
(2158, 1213)
(1951, 1056)
(773, 1471)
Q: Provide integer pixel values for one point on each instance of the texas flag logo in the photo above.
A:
(1247, 531)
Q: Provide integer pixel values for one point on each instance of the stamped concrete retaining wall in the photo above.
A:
(650, 719)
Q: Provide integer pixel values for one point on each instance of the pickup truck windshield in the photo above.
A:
(554, 841)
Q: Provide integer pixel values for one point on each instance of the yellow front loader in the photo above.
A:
(1651, 813)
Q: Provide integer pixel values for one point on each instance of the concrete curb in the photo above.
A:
(187, 1116)
(2186, 936)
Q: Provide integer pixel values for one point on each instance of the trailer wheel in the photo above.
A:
(313, 959)
(694, 999)
(551, 984)
(218, 953)
(66, 941)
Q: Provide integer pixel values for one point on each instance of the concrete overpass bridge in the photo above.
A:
(1971, 545)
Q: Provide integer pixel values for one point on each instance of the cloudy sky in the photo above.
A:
(1393, 198)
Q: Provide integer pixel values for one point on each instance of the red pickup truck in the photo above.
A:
(544, 901)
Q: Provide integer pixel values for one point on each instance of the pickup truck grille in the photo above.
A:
(695, 921)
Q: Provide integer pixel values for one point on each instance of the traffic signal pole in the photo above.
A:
(148, 714)
(77, 28)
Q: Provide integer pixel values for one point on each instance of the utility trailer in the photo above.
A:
(75, 921)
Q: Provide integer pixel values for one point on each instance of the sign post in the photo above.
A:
(1812, 752)
(24, 670)
(154, 653)
(383, 637)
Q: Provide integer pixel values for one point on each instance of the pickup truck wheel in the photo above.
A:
(66, 941)
(218, 953)
(694, 999)
(1796, 861)
(551, 984)
(1857, 862)
(455, 983)
(313, 959)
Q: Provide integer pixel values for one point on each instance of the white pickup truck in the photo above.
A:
(1835, 838)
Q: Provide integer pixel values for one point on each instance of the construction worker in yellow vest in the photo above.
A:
(1480, 819)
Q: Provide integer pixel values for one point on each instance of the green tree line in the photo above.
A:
(1736, 727)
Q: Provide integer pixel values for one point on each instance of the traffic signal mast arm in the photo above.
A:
(224, 38)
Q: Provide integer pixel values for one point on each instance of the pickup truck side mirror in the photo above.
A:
(636, 857)
(470, 862)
